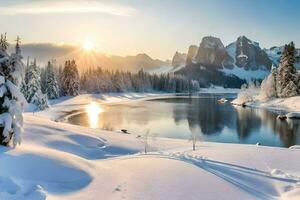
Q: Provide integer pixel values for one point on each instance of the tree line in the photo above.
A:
(53, 81)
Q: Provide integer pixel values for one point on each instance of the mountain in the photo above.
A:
(44, 52)
(249, 60)
(178, 59)
(212, 52)
(135, 63)
(241, 60)
(191, 55)
(250, 56)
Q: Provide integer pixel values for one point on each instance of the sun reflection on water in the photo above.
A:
(93, 110)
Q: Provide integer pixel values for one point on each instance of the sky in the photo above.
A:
(156, 27)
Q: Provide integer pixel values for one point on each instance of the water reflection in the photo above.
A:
(93, 110)
(187, 117)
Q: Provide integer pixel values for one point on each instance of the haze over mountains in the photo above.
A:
(44, 52)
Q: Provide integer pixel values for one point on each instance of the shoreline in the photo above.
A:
(291, 104)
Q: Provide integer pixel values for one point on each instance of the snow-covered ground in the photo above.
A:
(291, 104)
(63, 161)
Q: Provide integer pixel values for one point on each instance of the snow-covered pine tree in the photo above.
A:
(34, 93)
(40, 100)
(287, 72)
(43, 72)
(194, 86)
(290, 90)
(52, 89)
(23, 87)
(18, 72)
(274, 72)
(268, 87)
(70, 79)
(12, 100)
(32, 79)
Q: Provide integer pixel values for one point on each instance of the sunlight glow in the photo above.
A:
(93, 110)
(88, 45)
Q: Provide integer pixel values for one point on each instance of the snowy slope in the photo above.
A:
(246, 74)
(62, 161)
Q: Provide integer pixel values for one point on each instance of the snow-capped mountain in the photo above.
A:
(243, 58)
(250, 56)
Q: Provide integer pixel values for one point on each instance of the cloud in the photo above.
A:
(66, 6)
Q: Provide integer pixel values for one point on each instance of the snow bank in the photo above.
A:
(290, 104)
(293, 115)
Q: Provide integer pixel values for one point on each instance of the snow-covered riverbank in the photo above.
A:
(62, 161)
(291, 104)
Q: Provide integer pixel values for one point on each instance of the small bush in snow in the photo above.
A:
(247, 94)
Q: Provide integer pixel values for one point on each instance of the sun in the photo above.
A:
(88, 45)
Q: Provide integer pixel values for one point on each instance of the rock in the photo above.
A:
(213, 52)
(124, 131)
(281, 117)
(178, 59)
(250, 56)
(192, 52)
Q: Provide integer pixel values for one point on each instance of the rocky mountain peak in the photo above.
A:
(192, 52)
(211, 42)
(249, 55)
(213, 52)
(179, 59)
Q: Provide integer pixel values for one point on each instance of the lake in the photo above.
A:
(202, 116)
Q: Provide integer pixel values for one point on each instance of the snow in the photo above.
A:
(290, 104)
(62, 161)
(293, 115)
(242, 56)
(247, 75)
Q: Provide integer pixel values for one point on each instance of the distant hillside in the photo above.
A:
(46, 51)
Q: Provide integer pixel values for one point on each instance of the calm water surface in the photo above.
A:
(184, 116)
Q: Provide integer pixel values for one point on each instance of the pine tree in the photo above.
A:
(287, 72)
(40, 100)
(12, 100)
(290, 90)
(52, 88)
(43, 72)
(33, 92)
(33, 81)
(70, 79)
